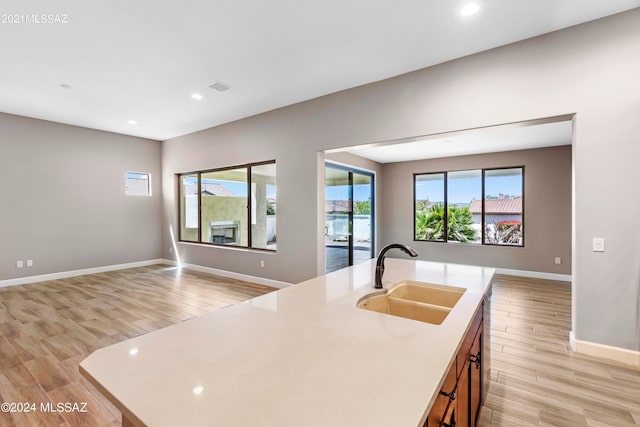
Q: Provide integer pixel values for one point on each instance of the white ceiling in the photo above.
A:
(141, 60)
(486, 140)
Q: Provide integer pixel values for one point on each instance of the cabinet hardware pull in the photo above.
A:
(451, 396)
(475, 358)
(452, 420)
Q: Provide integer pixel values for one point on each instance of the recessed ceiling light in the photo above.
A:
(133, 351)
(197, 390)
(469, 9)
(65, 86)
(132, 122)
(196, 96)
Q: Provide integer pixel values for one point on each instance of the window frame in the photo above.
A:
(249, 180)
(445, 236)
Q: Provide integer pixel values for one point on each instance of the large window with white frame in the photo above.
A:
(232, 206)
(480, 206)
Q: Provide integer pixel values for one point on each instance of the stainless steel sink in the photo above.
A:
(424, 302)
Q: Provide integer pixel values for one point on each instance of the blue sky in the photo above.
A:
(463, 190)
(340, 192)
(239, 189)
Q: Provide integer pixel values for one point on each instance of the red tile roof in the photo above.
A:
(511, 205)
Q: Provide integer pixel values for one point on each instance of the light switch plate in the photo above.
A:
(598, 244)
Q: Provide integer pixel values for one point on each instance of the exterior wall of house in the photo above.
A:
(63, 198)
(492, 218)
(591, 70)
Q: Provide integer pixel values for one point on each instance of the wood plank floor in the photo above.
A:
(47, 328)
(535, 379)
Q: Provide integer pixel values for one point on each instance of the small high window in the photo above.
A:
(138, 184)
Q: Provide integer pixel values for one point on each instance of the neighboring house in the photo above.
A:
(137, 186)
(208, 189)
(496, 210)
(336, 206)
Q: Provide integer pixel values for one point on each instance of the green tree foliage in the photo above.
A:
(430, 223)
(270, 209)
(362, 207)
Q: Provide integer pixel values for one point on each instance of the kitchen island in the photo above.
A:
(302, 356)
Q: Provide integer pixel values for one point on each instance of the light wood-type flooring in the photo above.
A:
(47, 328)
(535, 379)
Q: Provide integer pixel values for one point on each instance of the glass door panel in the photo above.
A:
(362, 217)
(349, 219)
(337, 227)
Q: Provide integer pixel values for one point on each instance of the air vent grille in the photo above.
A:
(219, 86)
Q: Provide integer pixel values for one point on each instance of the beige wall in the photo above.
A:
(63, 198)
(225, 208)
(590, 70)
(547, 215)
(218, 209)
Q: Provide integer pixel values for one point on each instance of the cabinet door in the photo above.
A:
(445, 400)
(463, 397)
(450, 416)
(475, 379)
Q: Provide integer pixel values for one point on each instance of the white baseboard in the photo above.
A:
(231, 274)
(602, 351)
(75, 273)
(535, 274)
(83, 272)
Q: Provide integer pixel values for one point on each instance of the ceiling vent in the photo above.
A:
(219, 86)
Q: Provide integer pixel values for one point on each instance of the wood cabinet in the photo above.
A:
(460, 398)
(444, 409)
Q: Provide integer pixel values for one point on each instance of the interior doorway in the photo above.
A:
(349, 216)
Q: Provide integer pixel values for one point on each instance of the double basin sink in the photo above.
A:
(424, 302)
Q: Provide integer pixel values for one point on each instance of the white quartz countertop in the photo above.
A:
(302, 356)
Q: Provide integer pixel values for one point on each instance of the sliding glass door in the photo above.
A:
(349, 220)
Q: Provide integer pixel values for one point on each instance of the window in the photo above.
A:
(263, 206)
(137, 184)
(429, 206)
(482, 206)
(462, 188)
(234, 206)
(503, 206)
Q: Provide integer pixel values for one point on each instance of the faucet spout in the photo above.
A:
(382, 255)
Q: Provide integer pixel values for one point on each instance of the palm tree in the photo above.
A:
(460, 224)
(430, 223)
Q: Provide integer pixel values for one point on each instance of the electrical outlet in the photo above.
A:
(558, 260)
(170, 250)
(262, 263)
(29, 263)
(19, 264)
